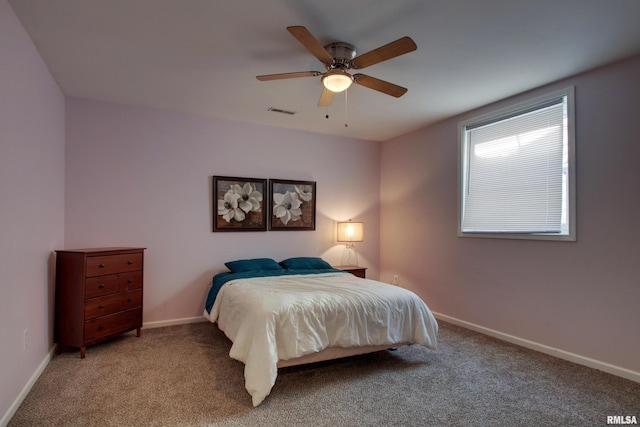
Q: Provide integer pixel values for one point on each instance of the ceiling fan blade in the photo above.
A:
(379, 85)
(306, 38)
(383, 53)
(288, 75)
(326, 98)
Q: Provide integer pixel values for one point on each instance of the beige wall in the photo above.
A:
(580, 297)
(142, 177)
(31, 205)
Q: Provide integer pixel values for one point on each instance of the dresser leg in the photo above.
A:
(83, 352)
(138, 332)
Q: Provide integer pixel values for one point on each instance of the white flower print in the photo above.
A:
(228, 207)
(287, 207)
(304, 192)
(250, 198)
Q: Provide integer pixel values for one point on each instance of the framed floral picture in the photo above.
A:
(293, 205)
(239, 204)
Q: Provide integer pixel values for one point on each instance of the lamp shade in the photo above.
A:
(350, 231)
(337, 80)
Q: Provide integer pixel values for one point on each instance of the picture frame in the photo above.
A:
(239, 204)
(292, 205)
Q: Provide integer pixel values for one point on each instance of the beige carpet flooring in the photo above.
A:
(182, 376)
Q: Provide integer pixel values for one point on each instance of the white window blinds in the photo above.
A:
(513, 178)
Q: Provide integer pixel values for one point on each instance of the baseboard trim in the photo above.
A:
(174, 322)
(4, 421)
(562, 354)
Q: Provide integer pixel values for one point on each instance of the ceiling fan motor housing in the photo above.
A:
(342, 54)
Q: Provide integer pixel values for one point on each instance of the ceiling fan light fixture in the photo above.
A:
(337, 80)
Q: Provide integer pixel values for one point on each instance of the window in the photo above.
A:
(517, 171)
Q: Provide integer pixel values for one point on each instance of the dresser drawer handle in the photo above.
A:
(101, 285)
(101, 306)
(101, 266)
(130, 299)
(129, 319)
(100, 327)
(130, 262)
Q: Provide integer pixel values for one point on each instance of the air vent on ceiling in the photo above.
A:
(278, 110)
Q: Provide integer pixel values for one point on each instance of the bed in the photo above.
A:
(301, 310)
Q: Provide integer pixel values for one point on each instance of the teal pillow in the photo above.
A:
(305, 263)
(255, 264)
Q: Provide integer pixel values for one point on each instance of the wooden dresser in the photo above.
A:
(98, 295)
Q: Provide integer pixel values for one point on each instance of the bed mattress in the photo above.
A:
(272, 320)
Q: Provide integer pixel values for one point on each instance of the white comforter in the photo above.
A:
(280, 318)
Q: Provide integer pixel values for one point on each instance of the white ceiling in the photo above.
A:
(202, 56)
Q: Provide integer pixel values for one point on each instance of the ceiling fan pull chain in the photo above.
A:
(346, 105)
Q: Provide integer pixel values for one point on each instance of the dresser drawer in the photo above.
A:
(100, 327)
(101, 306)
(110, 264)
(112, 283)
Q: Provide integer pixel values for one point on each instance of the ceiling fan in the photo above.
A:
(339, 58)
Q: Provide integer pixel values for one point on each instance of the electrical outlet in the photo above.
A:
(26, 339)
(396, 280)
